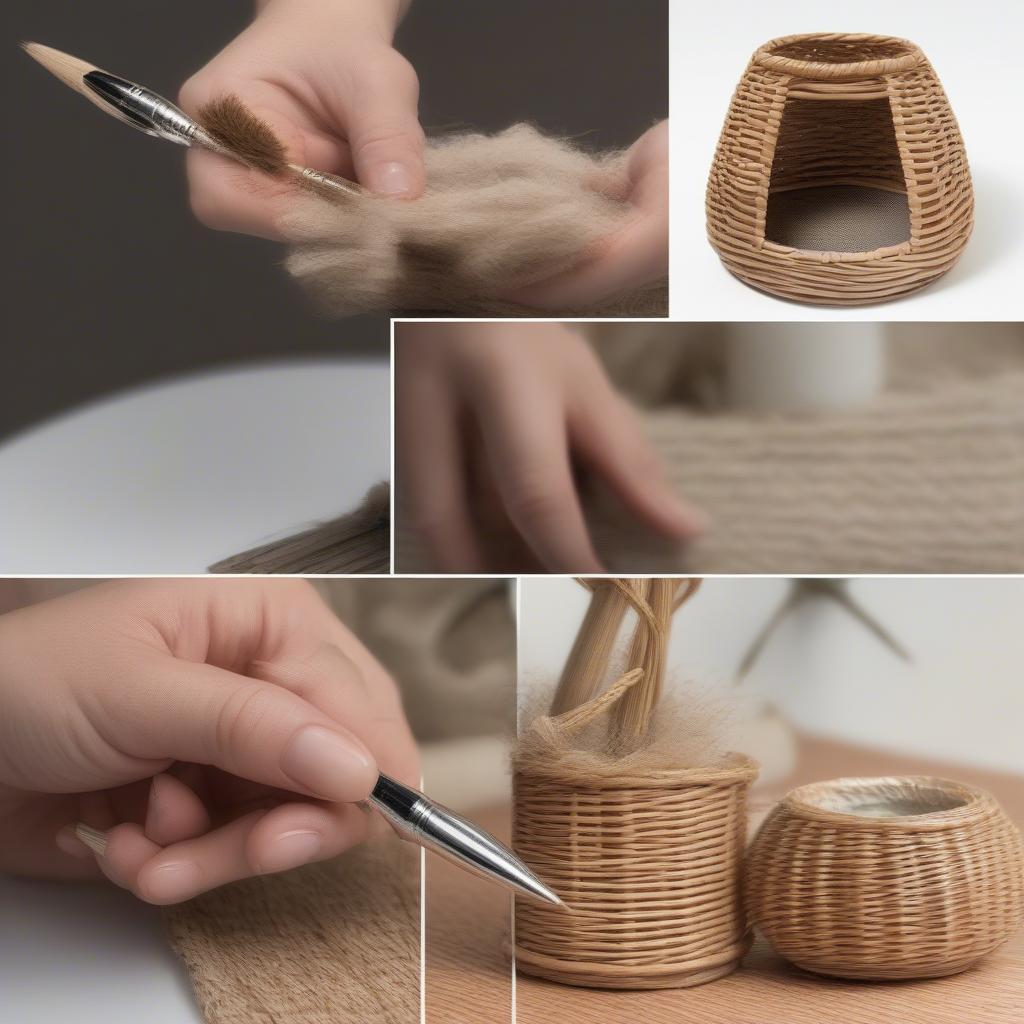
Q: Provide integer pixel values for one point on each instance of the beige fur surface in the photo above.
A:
(500, 212)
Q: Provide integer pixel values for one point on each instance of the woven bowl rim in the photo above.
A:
(766, 57)
(976, 803)
(733, 768)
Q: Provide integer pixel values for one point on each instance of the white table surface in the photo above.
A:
(171, 477)
(74, 953)
(974, 49)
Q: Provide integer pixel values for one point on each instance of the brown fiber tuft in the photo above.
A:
(239, 130)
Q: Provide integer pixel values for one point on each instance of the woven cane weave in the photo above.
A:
(886, 878)
(645, 854)
(840, 176)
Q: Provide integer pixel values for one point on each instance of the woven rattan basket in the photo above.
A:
(886, 878)
(647, 857)
(840, 176)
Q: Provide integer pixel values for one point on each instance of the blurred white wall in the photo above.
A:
(961, 700)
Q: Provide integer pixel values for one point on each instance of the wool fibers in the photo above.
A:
(500, 212)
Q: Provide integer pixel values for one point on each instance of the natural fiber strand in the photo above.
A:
(886, 878)
(840, 176)
(357, 543)
(643, 845)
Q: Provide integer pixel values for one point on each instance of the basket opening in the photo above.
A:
(837, 182)
(818, 50)
(885, 800)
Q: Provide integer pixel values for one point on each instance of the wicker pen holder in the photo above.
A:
(646, 857)
(886, 878)
(840, 176)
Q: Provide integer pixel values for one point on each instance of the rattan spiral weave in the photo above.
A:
(840, 176)
(886, 878)
(646, 856)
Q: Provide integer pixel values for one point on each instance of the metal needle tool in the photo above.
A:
(420, 820)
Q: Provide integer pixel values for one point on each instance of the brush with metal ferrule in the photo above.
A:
(419, 820)
(225, 126)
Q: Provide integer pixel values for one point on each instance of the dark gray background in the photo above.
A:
(109, 281)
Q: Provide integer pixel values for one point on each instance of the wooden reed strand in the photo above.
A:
(587, 664)
(915, 896)
(860, 111)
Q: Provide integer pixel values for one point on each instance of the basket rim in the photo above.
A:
(732, 769)
(826, 70)
(975, 803)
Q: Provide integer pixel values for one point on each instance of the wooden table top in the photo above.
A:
(468, 923)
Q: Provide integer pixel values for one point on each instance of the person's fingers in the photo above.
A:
(433, 471)
(634, 257)
(607, 437)
(529, 451)
(186, 711)
(383, 129)
(261, 842)
(370, 708)
(173, 812)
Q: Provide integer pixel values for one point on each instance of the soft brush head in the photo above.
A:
(231, 123)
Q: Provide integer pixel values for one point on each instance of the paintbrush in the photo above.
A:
(225, 126)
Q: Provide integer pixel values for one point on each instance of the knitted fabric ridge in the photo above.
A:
(500, 212)
(329, 942)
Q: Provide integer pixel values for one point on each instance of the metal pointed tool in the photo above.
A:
(418, 819)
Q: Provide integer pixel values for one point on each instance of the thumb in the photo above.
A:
(384, 131)
(249, 728)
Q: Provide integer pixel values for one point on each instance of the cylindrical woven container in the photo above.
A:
(649, 867)
(886, 878)
(840, 176)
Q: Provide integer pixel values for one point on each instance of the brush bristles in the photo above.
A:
(92, 837)
(241, 132)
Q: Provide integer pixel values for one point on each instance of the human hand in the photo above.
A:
(489, 420)
(215, 728)
(325, 77)
(634, 256)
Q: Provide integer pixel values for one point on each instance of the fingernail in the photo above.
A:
(69, 843)
(289, 850)
(328, 764)
(93, 838)
(157, 804)
(392, 179)
(172, 882)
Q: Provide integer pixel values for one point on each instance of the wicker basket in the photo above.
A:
(886, 878)
(650, 869)
(646, 854)
(840, 176)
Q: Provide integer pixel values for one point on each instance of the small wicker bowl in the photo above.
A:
(886, 878)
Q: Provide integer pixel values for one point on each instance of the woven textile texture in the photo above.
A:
(500, 212)
(330, 942)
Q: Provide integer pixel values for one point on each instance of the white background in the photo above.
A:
(975, 50)
(172, 477)
(961, 700)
